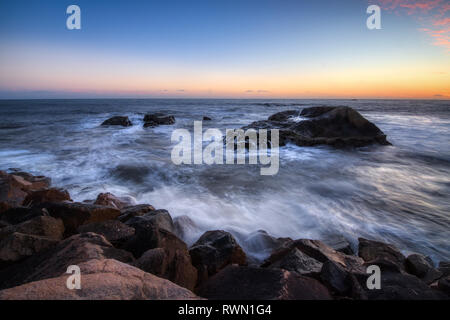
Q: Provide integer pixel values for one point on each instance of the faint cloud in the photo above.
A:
(181, 90)
(432, 14)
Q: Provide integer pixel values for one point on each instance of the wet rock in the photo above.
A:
(184, 226)
(335, 126)
(422, 267)
(43, 226)
(251, 283)
(135, 211)
(174, 265)
(18, 246)
(336, 278)
(444, 285)
(54, 261)
(339, 244)
(15, 187)
(371, 250)
(153, 120)
(110, 200)
(215, 250)
(444, 267)
(114, 231)
(320, 251)
(206, 118)
(47, 195)
(118, 121)
(298, 262)
(261, 241)
(76, 214)
(101, 280)
(157, 218)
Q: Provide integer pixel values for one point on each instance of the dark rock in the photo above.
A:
(298, 262)
(261, 241)
(106, 279)
(153, 120)
(215, 250)
(336, 278)
(114, 231)
(21, 214)
(54, 261)
(444, 285)
(76, 214)
(15, 187)
(135, 211)
(403, 286)
(43, 226)
(157, 218)
(5, 205)
(47, 195)
(118, 121)
(422, 267)
(206, 118)
(18, 246)
(110, 200)
(444, 267)
(339, 244)
(251, 283)
(371, 250)
(335, 126)
(184, 227)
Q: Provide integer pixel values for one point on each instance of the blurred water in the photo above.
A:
(398, 194)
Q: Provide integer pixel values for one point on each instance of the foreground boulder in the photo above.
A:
(375, 250)
(74, 215)
(243, 283)
(117, 121)
(153, 120)
(101, 280)
(215, 250)
(43, 226)
(46, 195)
(15, 187)
(54, 261)
(335, 126)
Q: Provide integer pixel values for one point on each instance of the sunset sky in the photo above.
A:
(225, 49)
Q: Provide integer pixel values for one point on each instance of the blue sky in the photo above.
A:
(214, 49)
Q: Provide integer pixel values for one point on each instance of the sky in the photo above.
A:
(225, 49)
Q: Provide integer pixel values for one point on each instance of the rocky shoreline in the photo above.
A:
(128, 251)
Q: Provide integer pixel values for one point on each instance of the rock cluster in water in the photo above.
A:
(130, 251)
(334, 126)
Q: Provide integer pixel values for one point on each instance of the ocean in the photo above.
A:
(398, 194)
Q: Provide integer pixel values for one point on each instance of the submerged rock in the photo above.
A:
(335, 126)
(118, 121)
(106, 279)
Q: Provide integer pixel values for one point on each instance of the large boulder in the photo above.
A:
(117, 121)
(213, 251)
(43, 226)
(54, 261)
(46, 195)
(297, 261)
(134, 211)
(114, 231)
(110, 200)
(371, 250)
(252, 283)
(18, 246)
(153, 120)
(156, 218)
(76, 214)
(335, 126)
(422, 267)
(339, 243)
(101, 280)
(15, 187)
(18, 215)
